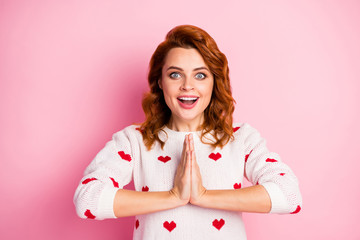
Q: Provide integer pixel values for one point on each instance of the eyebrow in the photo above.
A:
(180, 69)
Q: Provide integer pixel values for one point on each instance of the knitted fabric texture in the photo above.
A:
(126, 158)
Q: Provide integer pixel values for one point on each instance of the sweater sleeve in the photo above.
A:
(267, 169)
(110, 170)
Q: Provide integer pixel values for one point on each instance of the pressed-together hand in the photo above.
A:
(197, 188)
(182, 181)
(188, 182)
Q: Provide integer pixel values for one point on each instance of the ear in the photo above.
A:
(159, 83)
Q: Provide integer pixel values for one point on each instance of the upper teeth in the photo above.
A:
(188, 98)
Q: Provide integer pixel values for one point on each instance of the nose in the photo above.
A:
(187, 84)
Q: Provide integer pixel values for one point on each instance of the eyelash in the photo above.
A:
(171, 75)
(204, 75)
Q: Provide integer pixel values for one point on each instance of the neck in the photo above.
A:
(185, 126)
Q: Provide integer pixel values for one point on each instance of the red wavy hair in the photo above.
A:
(218, 115)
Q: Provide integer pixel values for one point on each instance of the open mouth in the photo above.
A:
(188, 100)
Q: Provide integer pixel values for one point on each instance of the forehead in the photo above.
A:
(185, 58)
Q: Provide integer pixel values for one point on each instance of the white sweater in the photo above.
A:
(125, 157)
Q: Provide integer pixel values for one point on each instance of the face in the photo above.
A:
(187, 84)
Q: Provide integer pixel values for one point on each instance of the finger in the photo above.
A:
(188, 158)
(193, 156)
(188, 163)
(191, 142)
(183, 155)
(187, 143)
(193, 159)
(195, 164)
(185, 147)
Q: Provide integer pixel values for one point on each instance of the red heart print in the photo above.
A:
(88, 214)
(116, 184)
(139, 129)
(169, 226)
(281, 174)
(237, 185)
(215, 156)
(218, 224)
(164, 159)
(271, 160)
(88, 180)
(298, 208)
(247, 155)
(124, 156)
(137, 223)
(145, 189)
(235, 129)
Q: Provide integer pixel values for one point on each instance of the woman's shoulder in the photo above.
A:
(129, 132)
(244, 131)
(240, 127)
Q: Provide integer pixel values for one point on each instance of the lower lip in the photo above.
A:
(187, 106)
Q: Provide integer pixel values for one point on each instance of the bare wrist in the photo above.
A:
(175, 199)
(200, 201)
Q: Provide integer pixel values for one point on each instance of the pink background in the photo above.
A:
(74, 72)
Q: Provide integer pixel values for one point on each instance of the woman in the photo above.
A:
(188, 160)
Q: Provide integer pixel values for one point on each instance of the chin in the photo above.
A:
(189, 118)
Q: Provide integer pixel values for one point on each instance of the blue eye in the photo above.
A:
(174, 75)
(200, 76)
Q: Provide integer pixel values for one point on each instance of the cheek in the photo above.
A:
(168, 92)
(207, 90)
(169, 95)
